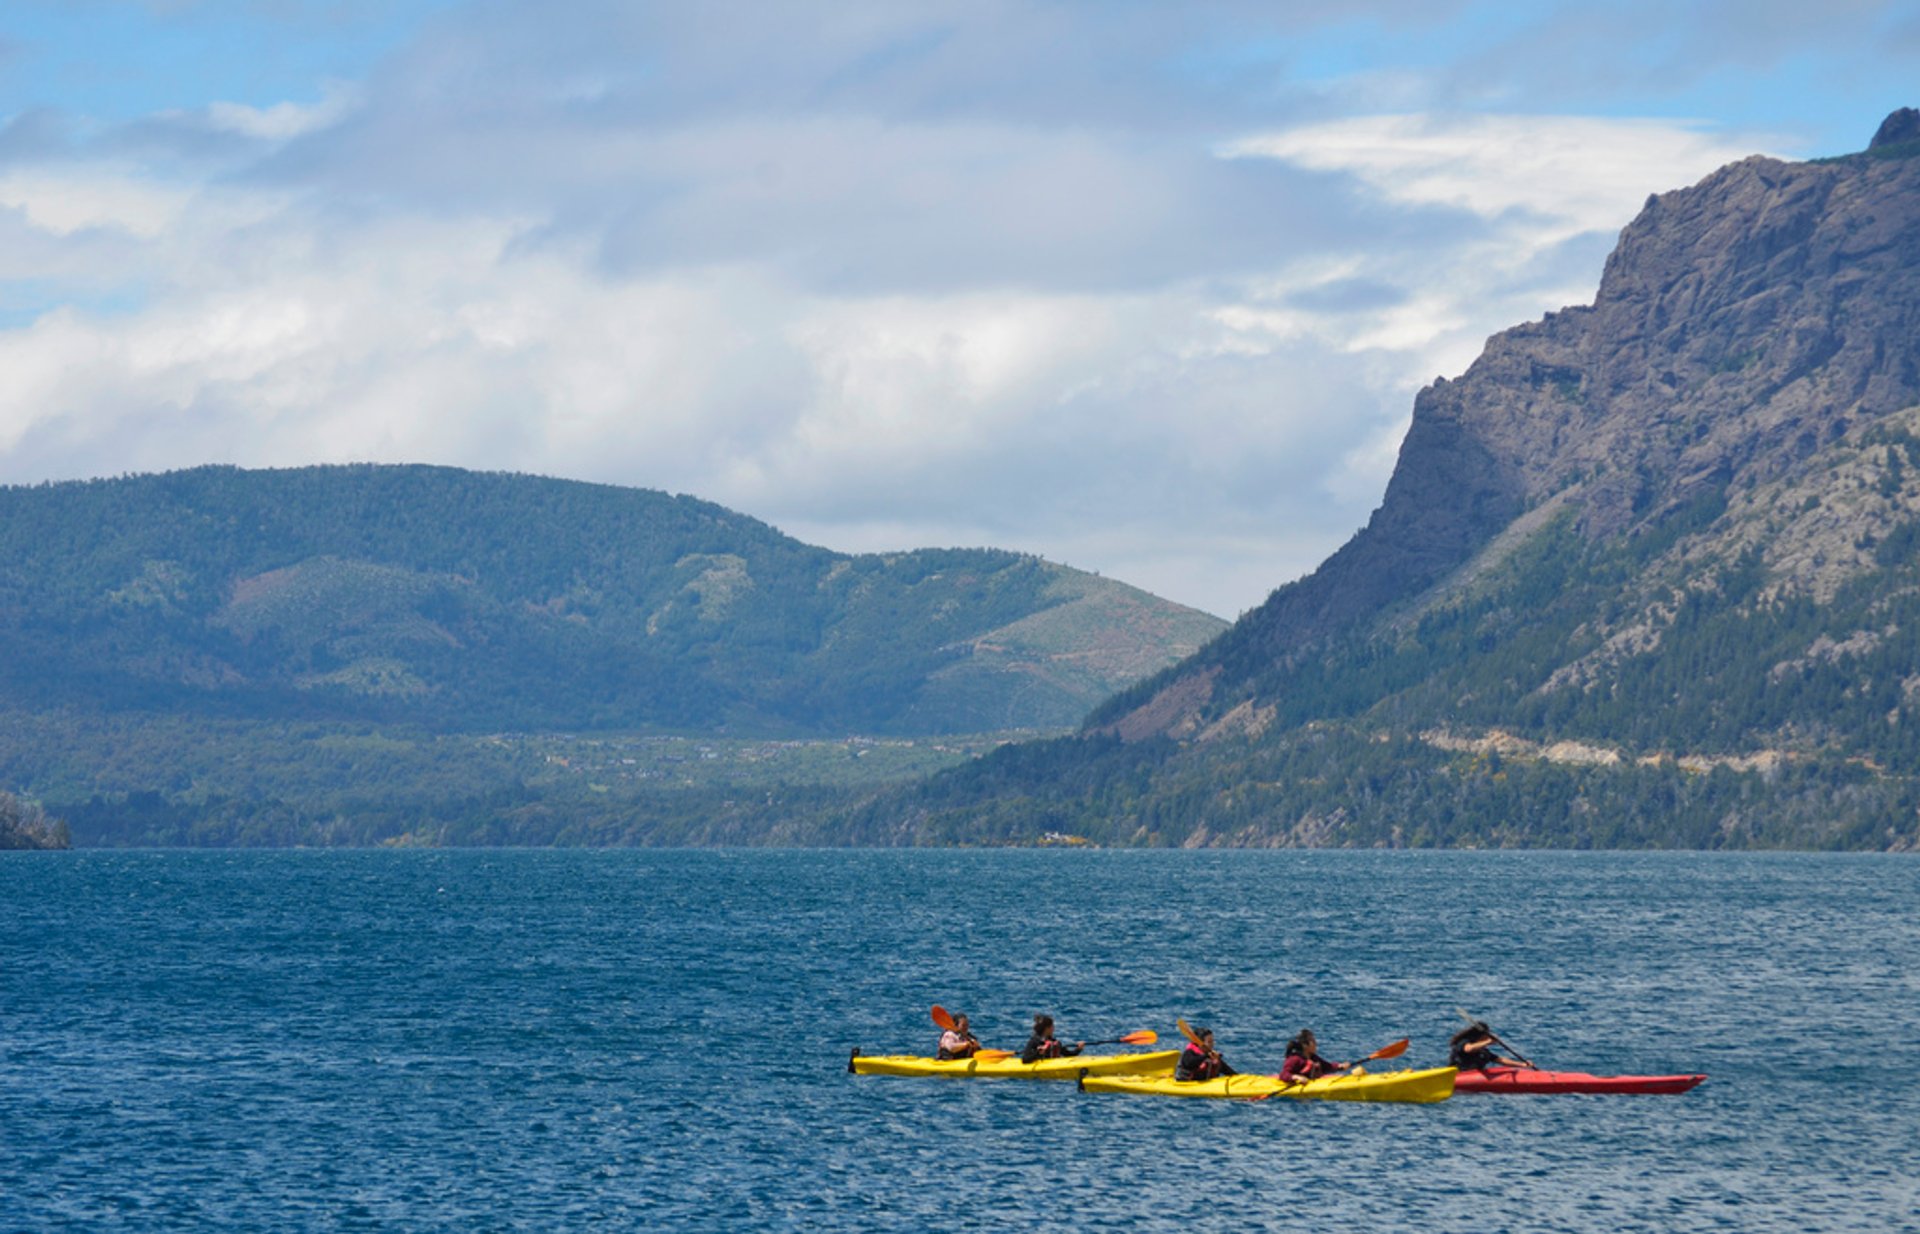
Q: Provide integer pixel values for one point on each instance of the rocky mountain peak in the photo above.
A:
(1741, 326)
(1900, 127)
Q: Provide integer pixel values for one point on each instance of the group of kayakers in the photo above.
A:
(958, 1041)
(1472, 1048)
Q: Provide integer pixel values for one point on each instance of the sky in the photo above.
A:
(1144, 288)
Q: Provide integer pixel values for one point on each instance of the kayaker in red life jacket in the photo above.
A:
(958, 1041)
(1200, 1061)
(1471, 1049)
(1042, 1044)
(1304, 1062)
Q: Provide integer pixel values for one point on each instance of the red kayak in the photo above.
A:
(1522, 1080)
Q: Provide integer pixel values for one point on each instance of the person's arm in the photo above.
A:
(1072, 1051)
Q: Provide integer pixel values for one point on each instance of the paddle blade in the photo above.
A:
(991, 1056)
(1145, 1036)
(1389, 1051)
(941, 1017)
(1186, 1031)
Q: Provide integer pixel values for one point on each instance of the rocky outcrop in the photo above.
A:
(1897, 129)
(23, 824)
(1741, 326)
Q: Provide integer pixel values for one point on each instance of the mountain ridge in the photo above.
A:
(1673, 534)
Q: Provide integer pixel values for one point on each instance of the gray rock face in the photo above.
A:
(1901, 126)
(1740, 326)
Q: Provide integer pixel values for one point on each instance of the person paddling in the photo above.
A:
(1044, 1045)
(1304, 1061)
(1471, 1049)
(1200, 1061)
(958, 1041)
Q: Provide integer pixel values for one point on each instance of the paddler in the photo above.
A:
(1304, 1062)
(1471, 1049)
(1044, 1045)
(958, 1041)
(1200, 1060)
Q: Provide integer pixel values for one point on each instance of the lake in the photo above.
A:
(552, 1040)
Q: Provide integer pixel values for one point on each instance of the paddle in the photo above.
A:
(943, 1018)
(1145, 1036)
(1495, 1037)
(1395, 1050)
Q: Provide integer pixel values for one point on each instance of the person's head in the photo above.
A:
(1043, 1025)
(1303, 1042)
(1204, 1036)
(1476, 1031)
(960, 1023)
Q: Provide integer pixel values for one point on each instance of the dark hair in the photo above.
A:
(1043, 1024)
(1476, 1029)
(1299, 1043)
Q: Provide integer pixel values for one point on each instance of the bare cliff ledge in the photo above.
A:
(1742, 328)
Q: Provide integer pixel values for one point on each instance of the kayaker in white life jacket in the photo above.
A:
(958, 1041)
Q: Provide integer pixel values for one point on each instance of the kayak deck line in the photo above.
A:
(1422, 1086)
(1158, 1062)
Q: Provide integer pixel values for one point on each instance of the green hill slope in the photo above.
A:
(464, 601)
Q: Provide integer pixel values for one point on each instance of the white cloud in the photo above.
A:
(283, 121)
(981, 275)
(63, 203)
(1565, 174)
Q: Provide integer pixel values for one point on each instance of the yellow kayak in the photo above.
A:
(1160, 1062)
(1432, 1084)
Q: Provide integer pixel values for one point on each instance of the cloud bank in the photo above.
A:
(1142, 291)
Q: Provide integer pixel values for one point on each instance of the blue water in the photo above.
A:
(640, 1040)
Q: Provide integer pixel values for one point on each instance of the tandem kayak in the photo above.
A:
(1522, 1080)
(1432, 1084)
(1160, 1062)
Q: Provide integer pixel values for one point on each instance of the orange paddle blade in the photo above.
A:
(1186, 1031)
(941, 1017)
(992, 1056)
(1389, 1051)
(1145, 1036)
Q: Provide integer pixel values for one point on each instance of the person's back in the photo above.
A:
(1471, 1049)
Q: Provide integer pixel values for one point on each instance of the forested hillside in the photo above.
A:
(425, 655)
(464, 601)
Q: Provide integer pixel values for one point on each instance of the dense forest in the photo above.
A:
(376, 654)
(1355, 752)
